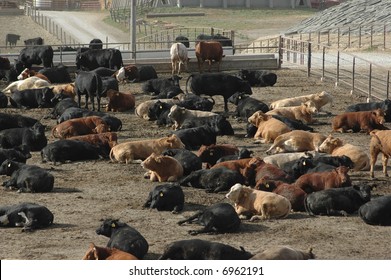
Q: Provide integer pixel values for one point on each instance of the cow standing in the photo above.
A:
(178, 53)
(90, 85)
(210, 51)
(34, 55)
(11, 39)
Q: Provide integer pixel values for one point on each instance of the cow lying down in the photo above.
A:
(197, 249)
(283, 253)
(27, 215)
(104, 253)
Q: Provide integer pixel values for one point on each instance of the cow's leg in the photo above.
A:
(179, 67)
(374, 152)
(225, 105)
(27, 223)
(98, 101)
(78, 99)
(173, 64)
(86, 105)
(93, 102)
(385, 162)
(191, 218)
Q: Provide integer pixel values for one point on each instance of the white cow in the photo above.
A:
(178, 53)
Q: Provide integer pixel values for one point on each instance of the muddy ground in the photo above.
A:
(86, 192)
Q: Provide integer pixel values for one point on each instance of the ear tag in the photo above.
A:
(267, 186)
(161, 107)
(211, 153)
(9, 164)
(304, 163)
(113, 225)
(239, 97)
(161, 194)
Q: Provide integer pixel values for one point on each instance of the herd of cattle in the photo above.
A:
(302, 170)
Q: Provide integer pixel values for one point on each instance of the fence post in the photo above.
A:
(349, 37)
(318, 40)
(384, 36)
(388, 83)
(370, 83)
(353, 75)
(328, 37)
(371, 35)
(309, 60)
(359, 37)
(280, 51)
(337, 78)
(339, 33)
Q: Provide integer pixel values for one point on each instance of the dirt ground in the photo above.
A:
(86, 192)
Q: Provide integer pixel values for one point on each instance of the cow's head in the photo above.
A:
(234, 192)
(342, 172)
(236, 97)
(8, 167)
(329, 144)
(364, 191)
(108, 227)
(258, 117)
(174, 142)
(310, 107)
(378, 115)
(38, 129)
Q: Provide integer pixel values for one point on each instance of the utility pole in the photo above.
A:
(132, 28)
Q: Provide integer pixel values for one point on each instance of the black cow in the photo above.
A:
(370, 106)
(337, 201)
(72, 113)
(90, 85)
(189, 161)
(157, 85)
(113, 122)
(124, 237)
(65, 150)
(159, 112)
(166, 197)
(219, 123)
(27, 215)
(197, 249)
(146, 72)
(168, 92)
(104, 72)
(217, 218)
(258, 78)
(213, 180)
(195, 102)
(92, 59)
(3, 100)
(243, 153)
(96, 44)
(10, 75)
(224, 41)
(11, 39)
(246, 106)
(109, 83)
(33, 137)
(34, 41)
(32, 98)
(184, 40)
(61, 106)
(293, 124)
(15, 120)
(19, 154)
(58, 74)
(34, 55)
(195, 137)
(377, 211)
(217, 84)
(5, 63)
(26, 177)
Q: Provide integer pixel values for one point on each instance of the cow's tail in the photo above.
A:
(187, 81)
(111, 156)
(212, 100)
(306, 207)
(13, 103)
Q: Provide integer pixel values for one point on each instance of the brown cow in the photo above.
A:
(336, 147)
(294, 194)
(210, 51)
(139, 150)
(67, 89)
(283, 253)
(162, 168)
(303, 112)
(268, 128)
(105, 253)
(296, 141)
(119, 102)
(80, 126)
(212, 153)
(317, 181)
(129, 72)
(239, 165)
(106, 139)
(258, 170)
(380, 143)
(364, 121)
(258, 204)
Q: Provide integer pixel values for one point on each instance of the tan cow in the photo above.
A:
(303, 112)
(105, 253)
(380, 143)
(178, 53)
(336, 147)
(296, 141)
(80, 126)
(67, 89)
(142, 109)
(283, 253)
(258, 204)
(179, 115)
(29, 83)
(162, 168)
(320, 99)
(268, 128)
(139, 150)
(119, 101)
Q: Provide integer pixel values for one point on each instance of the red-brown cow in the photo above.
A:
(80, 126)
(364, 121)
(27, 73)
(318, 181)
(106, 139)
(119, 101)
(210, 51)
(239, 165)
(211, 153)
(105, 253)
(258, 170)
(294, 194)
